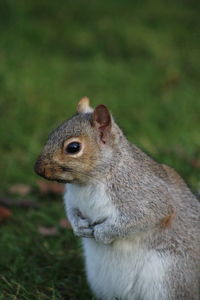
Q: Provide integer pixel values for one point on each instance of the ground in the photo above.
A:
(141, 59)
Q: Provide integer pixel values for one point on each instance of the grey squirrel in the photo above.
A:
(139, 221)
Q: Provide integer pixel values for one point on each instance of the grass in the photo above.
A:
(141, 59)
(34, 267)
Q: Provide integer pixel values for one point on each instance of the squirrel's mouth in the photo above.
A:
(52, 172)
(39, 168)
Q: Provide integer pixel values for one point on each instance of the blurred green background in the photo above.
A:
(140, 58)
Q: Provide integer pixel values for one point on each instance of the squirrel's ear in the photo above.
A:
(102, 122)
(84, 106)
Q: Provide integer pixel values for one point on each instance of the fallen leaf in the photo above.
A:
(48, 231)
(20, 189)
(25, 203)
(47, 187)
(5, 213)
(195, 163)
(64, 223)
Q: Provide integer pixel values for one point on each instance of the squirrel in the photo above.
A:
(138, 220)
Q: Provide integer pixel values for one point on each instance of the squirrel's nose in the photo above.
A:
(39, 168)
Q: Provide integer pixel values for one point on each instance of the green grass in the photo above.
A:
(140, 58)
(34, 267)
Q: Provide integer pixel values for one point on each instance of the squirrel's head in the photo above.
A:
(80, 147)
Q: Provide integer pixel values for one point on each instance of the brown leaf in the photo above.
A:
(25, 203)
(20, 189)
(5, 213)
(47, 187)
(195, 163)
(48, 231)
(64, 223)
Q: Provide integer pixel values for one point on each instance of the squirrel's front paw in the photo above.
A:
(82, 228)
(101, 235)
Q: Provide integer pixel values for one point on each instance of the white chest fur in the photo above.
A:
(91, 200)
(124, 269)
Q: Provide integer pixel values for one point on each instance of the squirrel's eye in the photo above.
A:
(73, 148)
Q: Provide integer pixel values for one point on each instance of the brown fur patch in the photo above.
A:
(80, 166)
(167, 221)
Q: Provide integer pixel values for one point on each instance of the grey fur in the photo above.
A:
(144, 192)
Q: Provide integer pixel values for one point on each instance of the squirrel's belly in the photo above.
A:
(124, 270)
